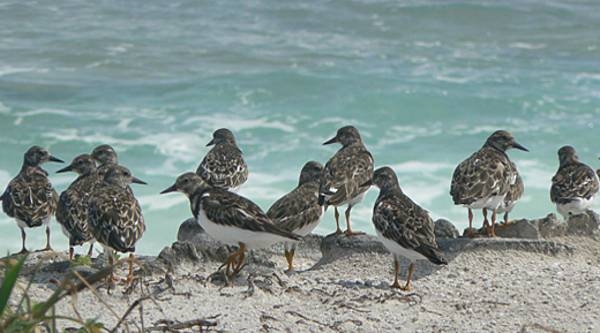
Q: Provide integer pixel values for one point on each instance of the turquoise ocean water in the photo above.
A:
(425, 81)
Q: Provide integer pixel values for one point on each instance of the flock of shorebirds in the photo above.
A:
(99, 206)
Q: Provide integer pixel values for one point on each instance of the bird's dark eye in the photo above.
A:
(185, 181)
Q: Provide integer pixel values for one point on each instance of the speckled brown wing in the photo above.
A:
(516, 189)
(298, 208)
(229, 209)
(485, 173)
(575, 180)
(223, 167)
(73, 207)
(399, 219)
(30, 197)
(345, 172)
(115, 218)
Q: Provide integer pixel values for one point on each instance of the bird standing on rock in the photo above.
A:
(402, 226)
(115, 215)
(229, 218)
(575, 184)
(514, 194)
(223, 166)
(483, 180)
(299, 211)
(73, 204)
(344, 174)
(30, 198)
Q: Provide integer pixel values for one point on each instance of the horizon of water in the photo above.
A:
(424, 81)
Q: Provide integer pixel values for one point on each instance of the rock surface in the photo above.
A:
(585, 224)
(444, 229)
(519, 229)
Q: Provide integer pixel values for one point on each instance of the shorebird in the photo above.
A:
(29, 197)
(514, 194)
(574, 186)
(223, 166)
(73, 204)
(115, 216)
(344, 174)
(105, 156)
(229, 218)
(299, 211)
(483, 180)
(402, 226)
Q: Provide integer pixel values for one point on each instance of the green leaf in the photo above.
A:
(10, 278)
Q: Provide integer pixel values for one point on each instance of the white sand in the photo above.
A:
(479, 291)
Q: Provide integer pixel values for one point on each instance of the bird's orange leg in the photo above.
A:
(411, 270)
(396, 284)
(470, 232)
(48, 247)
(240, 262)
(337, 220)
(492, 232)
(289, 256)
(349, 232)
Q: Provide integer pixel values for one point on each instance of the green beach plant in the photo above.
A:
(29, 316)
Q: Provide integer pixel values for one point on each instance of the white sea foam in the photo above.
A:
(213, 121)
(536, 175)
(421, 167)
(527, 46)
(178, 146)
(402, 134)
(20, 116)
(155, 202)
(4, 109)
(8, 70)
(585, 76)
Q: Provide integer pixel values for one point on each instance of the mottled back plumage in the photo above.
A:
(401, 220)
(223, 166)
(514, 192)
(573, 180)
(115, 215)
(73, 204)
(486, 173)
(346, 172)
(300, 208)
(30, 197)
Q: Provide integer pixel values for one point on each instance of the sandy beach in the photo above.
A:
(490, 285)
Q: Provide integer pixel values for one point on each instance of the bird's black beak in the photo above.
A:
(138, 181)
(210, 143)
(330, 141)
(170, 189)
(65, 169)
(518, 146)
(54, 159)
(367, 183)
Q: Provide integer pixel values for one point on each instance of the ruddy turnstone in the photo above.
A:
(403, 227)
(299, 211)
(223, 166)
(72, 211)
(344, 174)
(115, 216)
(29, 197)
(483, 180)
(105, 156)
(229, 218)
(514, 194)
(574, 185)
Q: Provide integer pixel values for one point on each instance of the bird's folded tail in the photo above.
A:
(565, 200)
(433, 254)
